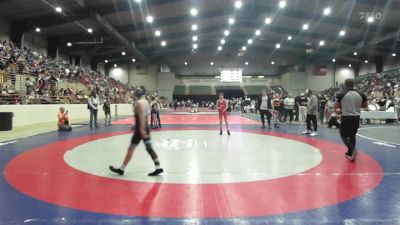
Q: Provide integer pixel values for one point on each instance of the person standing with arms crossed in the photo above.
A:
(350, 103)
(265, 109)
(222, 106)
(142, 132)
(312, 112)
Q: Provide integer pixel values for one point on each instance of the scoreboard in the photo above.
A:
(232, 75)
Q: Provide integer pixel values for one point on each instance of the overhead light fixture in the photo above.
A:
(258, 32)
(58, 9)
(226, 32)
(194, 38)
(115, 65)
(244, 48)
(321, 43)
(149, 19)
(327, 11)
(123, 53)
(219, 48)
(163, 43)
(366, 61)
(194, 27)
(355, 53)
(90, 30)
(37, 29)
(106, 61)
(69, 44)
(193, 12)
(370, 19)
(394, 54)
(138, 1)
(342, 33)
(282, 4)
(289, 38)
(157, 33)
(231, 21)
(133, 60)
(250, 41)
(212, 63)
(333, 60)
(238, 4)
(195, 46)
(247, 63)
(260, 76)
(186, 63)
(268, 20)
(272, 62)
(223, 41)
(278, 46)
(305, 26)
(349, 65)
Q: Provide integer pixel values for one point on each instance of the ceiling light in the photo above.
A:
(250, 41)
(366, 61)
(69, 44)
(244, 48)
(342, 33)
(238, 4)
(268, 20)
(194, 38)
(194, 27)
(149, 19)
(327, 11)
(260, 76)
(226, 32)
(333, 60)
(163, 43)
(37, 29)
(90, 30)
(193, 11)
(211, 63)
(247, 63)
(157, 33)
(349, 65)
(278, 46)
(282, 4)
(186, 63)
(394, 54)
(289, 38)
(106, 61)
(355, 53)
(305, 26)
(272, 62)
(321, 43)
(258, 32)
(138, 1)
(133, 60)
(223, 41)
(58, 9)
(115, 65)
(370, 19)
(231, 21)
(219, 48)
(195, 46)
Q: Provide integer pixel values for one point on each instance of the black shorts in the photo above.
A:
(137, 137)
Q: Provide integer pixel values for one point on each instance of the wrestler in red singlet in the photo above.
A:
(222, 106)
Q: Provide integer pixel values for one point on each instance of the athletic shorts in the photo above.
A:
(137, 137)
(223, 114)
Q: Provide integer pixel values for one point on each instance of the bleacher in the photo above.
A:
(179, 90)
(278, 88)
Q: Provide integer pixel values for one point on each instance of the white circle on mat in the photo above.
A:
(198, 157)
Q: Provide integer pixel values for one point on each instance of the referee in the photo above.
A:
(350, 102)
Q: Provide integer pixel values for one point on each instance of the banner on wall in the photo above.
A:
(212, 81)
(141, 70)
(320, 70)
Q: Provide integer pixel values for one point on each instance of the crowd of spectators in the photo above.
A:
(42, 74)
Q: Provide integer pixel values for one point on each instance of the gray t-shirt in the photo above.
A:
(312, 105)
(351, 103)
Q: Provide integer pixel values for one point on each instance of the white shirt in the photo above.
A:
(264, 103)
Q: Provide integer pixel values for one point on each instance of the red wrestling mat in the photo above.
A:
(193, 119)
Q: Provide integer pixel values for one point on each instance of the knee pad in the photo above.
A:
(150, 150)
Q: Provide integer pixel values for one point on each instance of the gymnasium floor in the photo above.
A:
(254, 176)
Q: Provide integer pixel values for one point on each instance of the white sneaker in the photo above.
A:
(314, 134)
(306, 132)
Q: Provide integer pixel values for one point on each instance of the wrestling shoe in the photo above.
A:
(229, 133)
(116, 170)
(156, 172)
(220, 132)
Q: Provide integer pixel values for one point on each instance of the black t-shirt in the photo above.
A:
(322, 103)
(301, 100)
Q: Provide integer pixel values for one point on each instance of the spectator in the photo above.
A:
(107, 112)
(93, 104)
(312, 112)
(63, 120)
(302, 104)
(322, 107)
(289, 107)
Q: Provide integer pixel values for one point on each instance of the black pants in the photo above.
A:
(269, 115)
(348, 130)
(296, 114)
(290, 113)
(313, 119)
(333, 121)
